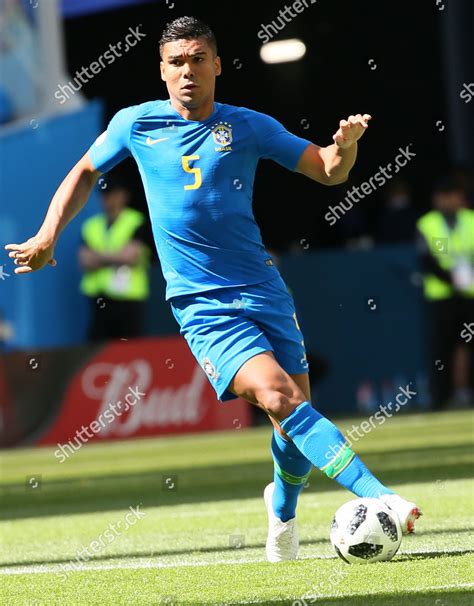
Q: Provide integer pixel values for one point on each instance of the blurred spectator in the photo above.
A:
(446, 241)
(397, 220)
(115, 256)
(464, 177)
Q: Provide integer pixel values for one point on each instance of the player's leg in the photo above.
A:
(262, 380)
(291, 467)
(315, 436)
(302, 381)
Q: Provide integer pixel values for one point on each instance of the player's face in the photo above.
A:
(189, 68)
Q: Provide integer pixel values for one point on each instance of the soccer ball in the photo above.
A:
(365, 530)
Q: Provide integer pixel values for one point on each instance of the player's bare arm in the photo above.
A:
(331, 165)
(68, 200)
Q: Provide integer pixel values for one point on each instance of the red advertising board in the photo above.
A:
(142, 387)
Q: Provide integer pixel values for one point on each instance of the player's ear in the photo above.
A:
(162, 70)
(218, 66)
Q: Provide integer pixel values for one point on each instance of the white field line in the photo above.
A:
(130, 565)
(80, 567)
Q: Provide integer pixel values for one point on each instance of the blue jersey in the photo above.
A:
(198, 180)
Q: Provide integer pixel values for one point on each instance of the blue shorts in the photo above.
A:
(227, 326)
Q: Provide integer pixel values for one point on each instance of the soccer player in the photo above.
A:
(197, 159)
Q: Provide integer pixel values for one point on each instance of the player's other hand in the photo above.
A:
(32, 255)
(351, 130)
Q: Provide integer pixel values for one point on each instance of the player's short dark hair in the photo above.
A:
(187, 28)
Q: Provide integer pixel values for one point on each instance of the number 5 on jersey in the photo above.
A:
(195, 171)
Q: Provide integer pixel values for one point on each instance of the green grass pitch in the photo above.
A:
(200, 535)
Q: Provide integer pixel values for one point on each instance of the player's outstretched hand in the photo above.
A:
(351, 130)
(32, 255)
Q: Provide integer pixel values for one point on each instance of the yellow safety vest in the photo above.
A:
(123, 282)
(449, 246)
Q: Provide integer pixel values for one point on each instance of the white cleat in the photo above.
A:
(406, 511)
(282, 541)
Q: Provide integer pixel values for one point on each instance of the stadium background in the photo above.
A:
(361, 310)
(201, 538)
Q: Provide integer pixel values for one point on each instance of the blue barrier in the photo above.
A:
(363, 313)
(76, 8)
(44, 309)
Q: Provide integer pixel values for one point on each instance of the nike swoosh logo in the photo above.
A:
(151, 141)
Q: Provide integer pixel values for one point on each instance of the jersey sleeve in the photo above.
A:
(113, 145)
(274, 142)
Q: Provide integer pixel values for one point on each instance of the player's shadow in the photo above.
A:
(238, 481)
(157, 553)
(228, 549)
(430, 555)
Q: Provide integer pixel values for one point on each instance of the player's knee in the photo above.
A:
(277, 403)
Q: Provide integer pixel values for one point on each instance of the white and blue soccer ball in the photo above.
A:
(365, 531)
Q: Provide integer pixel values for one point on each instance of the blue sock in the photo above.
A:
(292, 470)
(324, 445)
